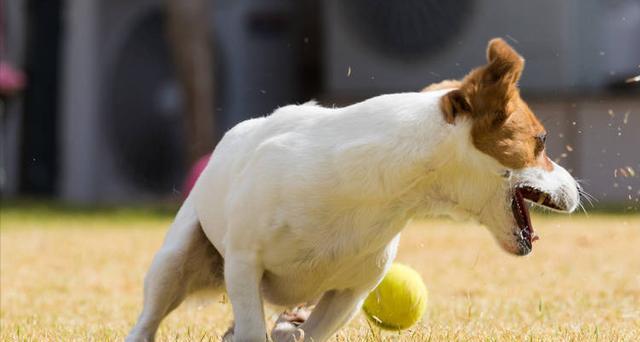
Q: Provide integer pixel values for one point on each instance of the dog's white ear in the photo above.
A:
(505, 64)
(453, 104)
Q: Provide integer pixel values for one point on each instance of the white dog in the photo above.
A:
(306, 206)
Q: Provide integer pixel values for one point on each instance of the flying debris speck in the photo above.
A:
(512, 39)
(349, 71)
(569, 148)
(633, 79)
(625, 172)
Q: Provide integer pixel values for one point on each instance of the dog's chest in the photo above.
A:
(304, 282)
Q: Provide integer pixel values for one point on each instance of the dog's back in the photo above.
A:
(304, 158)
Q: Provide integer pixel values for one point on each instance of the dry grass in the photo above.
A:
(67, 278)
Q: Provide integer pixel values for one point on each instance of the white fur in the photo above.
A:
(558, 183)
(307, 205)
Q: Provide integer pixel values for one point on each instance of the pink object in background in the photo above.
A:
(194, 173)
(11, 80)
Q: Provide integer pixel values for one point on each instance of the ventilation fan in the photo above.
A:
(404, 45)
(122, 108)
(144, 107)
(407, 29)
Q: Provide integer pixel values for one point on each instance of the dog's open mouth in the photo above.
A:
(521, 212)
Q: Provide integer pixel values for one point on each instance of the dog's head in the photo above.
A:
(508, 165)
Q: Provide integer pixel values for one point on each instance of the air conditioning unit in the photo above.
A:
(122, 107)
(572, 47)
(375, 46)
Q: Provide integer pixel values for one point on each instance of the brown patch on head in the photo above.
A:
(446, 84)
(503, 125)
(544, 162)
(448, 105)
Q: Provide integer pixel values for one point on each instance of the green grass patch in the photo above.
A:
(49, 213)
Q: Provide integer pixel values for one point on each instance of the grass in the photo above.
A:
(69, 275)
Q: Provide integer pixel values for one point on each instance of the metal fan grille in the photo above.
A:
(406, 29)
(144, 109)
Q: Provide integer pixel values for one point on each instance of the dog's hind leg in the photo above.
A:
(186, 262)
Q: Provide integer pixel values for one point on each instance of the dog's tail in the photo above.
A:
(186, 262)
(201, 262)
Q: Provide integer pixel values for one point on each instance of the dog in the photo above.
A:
(306, 206)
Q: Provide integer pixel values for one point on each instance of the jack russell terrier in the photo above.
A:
(305, 206)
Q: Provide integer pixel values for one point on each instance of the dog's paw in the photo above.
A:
(140, 336)
(287, 325)
(287, 332)
(296, 316)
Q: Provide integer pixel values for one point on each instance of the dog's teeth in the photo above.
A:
(542, 198)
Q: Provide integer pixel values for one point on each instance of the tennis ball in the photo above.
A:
(399, 301)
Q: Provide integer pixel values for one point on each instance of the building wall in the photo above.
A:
(598, 140)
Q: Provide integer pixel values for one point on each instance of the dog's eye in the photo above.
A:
(541, 139)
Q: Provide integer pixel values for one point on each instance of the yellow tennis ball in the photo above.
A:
(399, 301)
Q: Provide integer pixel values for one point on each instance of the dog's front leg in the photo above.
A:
(333, 311)
(243, 275)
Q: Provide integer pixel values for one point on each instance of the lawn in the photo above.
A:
(77, 276)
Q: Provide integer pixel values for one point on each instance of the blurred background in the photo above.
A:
(107, 105)
(112, 101)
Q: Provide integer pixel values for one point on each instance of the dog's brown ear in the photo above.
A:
(505, 64)
(454, 104)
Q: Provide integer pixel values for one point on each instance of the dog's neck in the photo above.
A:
(442, 174)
